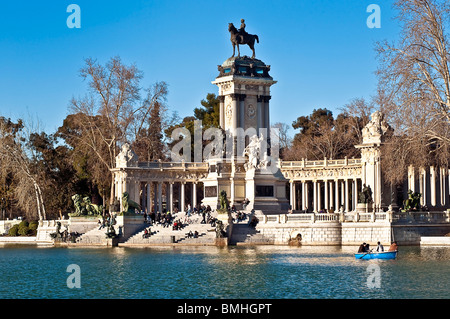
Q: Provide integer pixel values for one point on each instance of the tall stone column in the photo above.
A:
(267, 114)
(194, 195)
(222, 111)
(171, 197)
(235, 114)
(331, 202)
(241, 122)
(259, 113)
(347, 202)
(336, 195)
(291, 190)
(149, 197)
(325, 195)
(182, 203)
(433, 185)
(160, 197)
(304, 193)
(315, 196)
(319, 196)
(295, 196)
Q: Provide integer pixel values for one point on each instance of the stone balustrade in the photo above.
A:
(356, 217)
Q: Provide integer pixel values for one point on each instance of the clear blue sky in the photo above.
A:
(321, 52)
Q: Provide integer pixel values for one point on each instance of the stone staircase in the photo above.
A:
(158, 234)
(93, 237)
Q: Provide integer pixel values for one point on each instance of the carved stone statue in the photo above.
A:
(220, 232)
(413, 201)
(253, 151)
(127, 157)
(376, 129)
(128, 205)
(242, 37)
(223, 201)
(84, 206)
(366, 195)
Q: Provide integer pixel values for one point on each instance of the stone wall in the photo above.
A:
(332, 229)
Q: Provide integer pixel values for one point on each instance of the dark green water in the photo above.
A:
(268, 272)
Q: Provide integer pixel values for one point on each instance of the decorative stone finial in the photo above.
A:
(376, 129)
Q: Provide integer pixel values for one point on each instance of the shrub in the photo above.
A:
(23, 230)
(23, 223)
(13, 230)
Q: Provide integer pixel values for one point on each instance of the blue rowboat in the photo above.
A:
(377, 255)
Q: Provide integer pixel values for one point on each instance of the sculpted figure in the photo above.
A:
(129, 206)
(242, 37)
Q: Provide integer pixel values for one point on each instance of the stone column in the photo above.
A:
(315, 196)
(291, 190)
(319, 196)
(234, 117)
(433, 185)
(303, 195)
(336, 195)
(411, 178)
(424, 186)
(222, 111)
(443, 184)
(149, 197)
(259, 113)
(160, 197)
(194, 195)
(331, 202)
(306, 188)
(242, 110)
(295, 196)
(171, 197)
(326, 194)
(347, 202)
(182, 203)
(267, 114)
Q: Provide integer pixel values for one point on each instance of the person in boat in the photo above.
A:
(367, 249)
(393, 246)
(380, 247)
(362, 248)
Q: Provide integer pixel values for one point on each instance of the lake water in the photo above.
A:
(261, 272)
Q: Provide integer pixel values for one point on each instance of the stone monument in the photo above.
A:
(249, 172)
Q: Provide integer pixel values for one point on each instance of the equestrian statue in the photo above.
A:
(242, 37)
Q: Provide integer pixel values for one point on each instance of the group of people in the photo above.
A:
(192, 234)
(365, 248)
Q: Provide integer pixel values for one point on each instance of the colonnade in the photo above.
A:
(174, 194)
(329, 195)
(432, 183)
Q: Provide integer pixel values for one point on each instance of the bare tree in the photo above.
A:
(16, 157)
(113, 111)
(414, 77)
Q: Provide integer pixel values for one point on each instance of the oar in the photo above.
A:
(365, 254)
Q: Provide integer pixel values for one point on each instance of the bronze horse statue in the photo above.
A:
(242, 38)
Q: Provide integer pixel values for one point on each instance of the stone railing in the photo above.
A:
(356, 217)
(174, 165)
(433, 217)
(320, 163)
